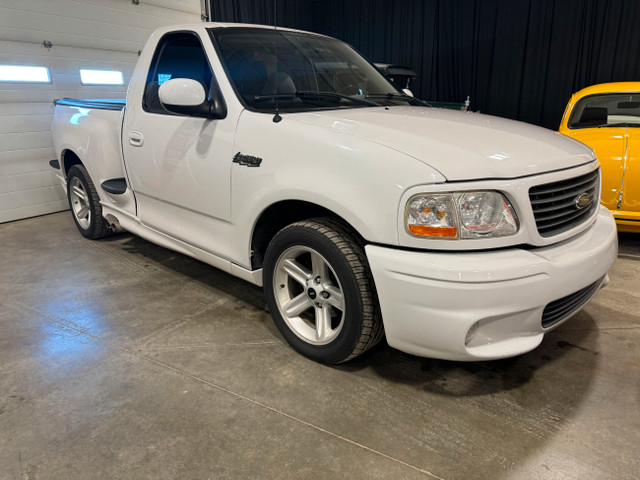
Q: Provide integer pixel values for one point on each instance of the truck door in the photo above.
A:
(179, 165)
(630, 205)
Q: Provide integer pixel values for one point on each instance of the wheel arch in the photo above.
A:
(68, 158)
(282, 213)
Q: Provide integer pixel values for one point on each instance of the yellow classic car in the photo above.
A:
(606, 117)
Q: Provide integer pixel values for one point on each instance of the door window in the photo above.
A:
(178, 55)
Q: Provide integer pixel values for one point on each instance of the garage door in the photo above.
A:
(63, 36)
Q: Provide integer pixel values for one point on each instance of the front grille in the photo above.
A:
(565, 306)
(555, 204)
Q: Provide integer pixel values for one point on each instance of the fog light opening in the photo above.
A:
(471, 333)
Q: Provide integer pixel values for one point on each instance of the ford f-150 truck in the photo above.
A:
(288, 160)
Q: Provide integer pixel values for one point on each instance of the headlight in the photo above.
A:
(478, 214)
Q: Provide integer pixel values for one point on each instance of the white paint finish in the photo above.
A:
(95, 34)
(493, 147)
(359, 180)
(181, 92)
(191, 198)
(192, 155)
(429, 301)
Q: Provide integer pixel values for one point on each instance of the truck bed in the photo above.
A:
(100, 103)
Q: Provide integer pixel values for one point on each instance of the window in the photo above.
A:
(299, 71)
(101, 77)
(178, 55)
(21, 73)
(606, 110)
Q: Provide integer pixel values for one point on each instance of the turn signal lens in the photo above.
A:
(466, 215)
(433, 231)
(432, 216)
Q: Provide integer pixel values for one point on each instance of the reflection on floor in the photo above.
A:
(119, 359)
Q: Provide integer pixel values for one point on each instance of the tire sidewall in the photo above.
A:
(81, 174)
(344, 344)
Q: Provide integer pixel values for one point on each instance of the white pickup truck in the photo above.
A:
(286, 159)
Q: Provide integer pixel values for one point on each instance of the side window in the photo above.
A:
(178, 55)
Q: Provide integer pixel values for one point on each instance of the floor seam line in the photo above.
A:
(214, 345)
(279, 412)
(180, 322)
(231, 392)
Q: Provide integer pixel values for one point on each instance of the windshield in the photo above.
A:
(606, 110)
(300, 71)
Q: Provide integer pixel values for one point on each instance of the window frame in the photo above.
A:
(160, 46)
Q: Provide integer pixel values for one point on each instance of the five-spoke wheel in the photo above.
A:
(85, 204)
(79, 203)
(320, 291)
(309, 295)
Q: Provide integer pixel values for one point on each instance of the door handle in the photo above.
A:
(136, 139)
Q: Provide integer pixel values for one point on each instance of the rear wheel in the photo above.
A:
(320, 291)
(85, 204)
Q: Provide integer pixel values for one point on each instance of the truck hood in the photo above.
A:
(461, 146)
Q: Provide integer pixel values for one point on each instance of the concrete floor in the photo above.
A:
(120, 359)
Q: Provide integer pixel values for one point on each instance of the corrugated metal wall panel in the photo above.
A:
(102, 34)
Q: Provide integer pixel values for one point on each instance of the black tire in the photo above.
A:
(360, 323)
(85, 204)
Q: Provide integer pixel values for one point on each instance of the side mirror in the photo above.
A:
(186, 96)
(406, 91)
(181, 92)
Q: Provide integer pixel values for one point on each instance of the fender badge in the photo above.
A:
(247, 160)
(582, 200)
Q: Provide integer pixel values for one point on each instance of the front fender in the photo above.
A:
(356, 179)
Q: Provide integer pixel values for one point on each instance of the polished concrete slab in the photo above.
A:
(120, 359)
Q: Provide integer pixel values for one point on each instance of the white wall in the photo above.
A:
(105, 34)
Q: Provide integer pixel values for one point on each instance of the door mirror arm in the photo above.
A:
(217, 105)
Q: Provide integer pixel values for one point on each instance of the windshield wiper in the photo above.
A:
(399, 96)
(316, 96)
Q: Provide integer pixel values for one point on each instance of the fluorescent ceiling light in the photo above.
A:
(19, 73)
(101, 77)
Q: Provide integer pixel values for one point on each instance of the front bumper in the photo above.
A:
(485, 305)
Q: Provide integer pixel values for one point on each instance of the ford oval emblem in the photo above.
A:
(583, 200)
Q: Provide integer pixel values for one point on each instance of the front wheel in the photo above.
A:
(320, 291)
(85, 204)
